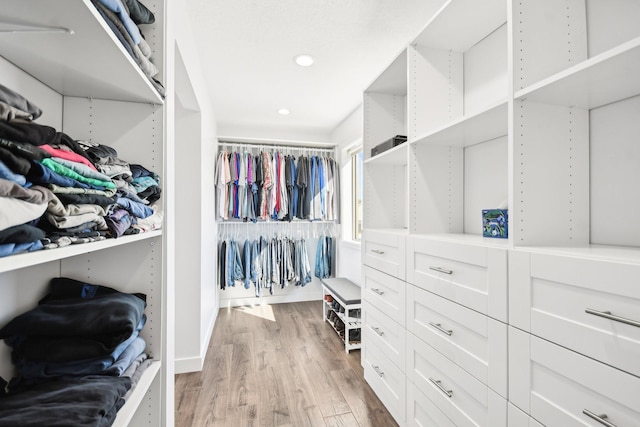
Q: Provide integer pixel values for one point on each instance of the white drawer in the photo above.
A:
(387, 335)
(386, 380)
(556, 385)
(551, 295)
(386, 293)
(517, 418)
(472, 275)
(475, 342)
(384, 251)
(461, 397)
(422, 412)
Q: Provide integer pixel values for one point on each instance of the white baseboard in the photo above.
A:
(189, 364)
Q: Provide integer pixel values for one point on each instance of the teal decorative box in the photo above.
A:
(495, 223)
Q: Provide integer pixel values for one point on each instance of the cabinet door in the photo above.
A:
(559, 387)
(474, 341)
(386, 380)
(386, 293)
(384, 251)
(472, 275)
(461, 397)
(590, 306)
(386, 334)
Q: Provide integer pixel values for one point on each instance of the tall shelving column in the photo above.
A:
(573, 271)
(95, 91)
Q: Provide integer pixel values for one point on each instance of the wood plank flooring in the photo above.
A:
(277, 365)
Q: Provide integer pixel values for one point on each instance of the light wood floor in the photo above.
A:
(277, 365)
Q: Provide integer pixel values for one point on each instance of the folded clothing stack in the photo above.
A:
(56, 191)
(81, 340)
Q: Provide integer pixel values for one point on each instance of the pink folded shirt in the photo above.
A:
(67, 155)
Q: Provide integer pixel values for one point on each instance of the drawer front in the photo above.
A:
(475, 342)
(386, 334)
(517, 418)
(474, 276)
(461, 397)
(384, 251)
(592, 307)
(422, 412)
(386, 380)
(557, 386)
(386, 293)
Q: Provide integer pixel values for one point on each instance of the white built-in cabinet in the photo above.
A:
(532, 104)
(72, 65)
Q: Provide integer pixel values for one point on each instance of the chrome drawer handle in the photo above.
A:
(438, 384)
(377, 291)
(378, 371)
(599, 418)
(441, 270)
(377, 251)
(377, 331)
(608, 315)
(439, 327)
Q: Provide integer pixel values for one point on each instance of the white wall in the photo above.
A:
(345, 135)
(196, 298)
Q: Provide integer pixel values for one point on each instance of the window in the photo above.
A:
(356, 192)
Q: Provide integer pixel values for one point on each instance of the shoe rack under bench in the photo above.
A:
(348, 310)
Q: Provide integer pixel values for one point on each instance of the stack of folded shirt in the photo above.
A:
(79, 335)
(123, 17)
(73, 191)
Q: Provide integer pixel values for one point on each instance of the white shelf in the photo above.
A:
(46, 255)
(467, 239)
(603, 79)
(469, 130)
(595, 252)
(394, 156)
(126, 413)
(393, 80)
(91, 62)
(460, 24)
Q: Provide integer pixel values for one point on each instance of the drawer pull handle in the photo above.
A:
(438, 384)
(377, 251)
(441, 270)
(377, 331)
(377, 291)
(439, 327)
(378, 371)
(599, 418)
(608, 315)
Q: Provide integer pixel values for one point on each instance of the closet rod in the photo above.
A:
(276, 146)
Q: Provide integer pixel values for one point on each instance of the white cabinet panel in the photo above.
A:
(386, 293)
(565, 386)
(384, 251)
(386, 334)
(475, 342)
(474, 276)
(422, 412)
(517, 418)
(386, 380)
(464, 399)
(587, 305)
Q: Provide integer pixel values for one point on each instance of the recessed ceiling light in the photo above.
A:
(304, 60)
(284, 111)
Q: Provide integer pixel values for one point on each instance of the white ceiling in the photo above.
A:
(247, 49)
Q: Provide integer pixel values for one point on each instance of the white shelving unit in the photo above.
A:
(66, 59)
(536, 103)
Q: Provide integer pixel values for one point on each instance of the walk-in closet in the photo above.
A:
(364, 213)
